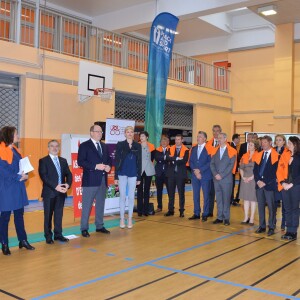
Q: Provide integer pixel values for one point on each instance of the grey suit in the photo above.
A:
(223, 187)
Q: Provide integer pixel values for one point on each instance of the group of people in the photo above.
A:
(267, 175)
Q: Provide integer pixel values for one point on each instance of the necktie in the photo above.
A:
(263, 164)
(177, 154)
(216, 143)
(57, 166)
(99, 149)
(221, 152)
(198, 151)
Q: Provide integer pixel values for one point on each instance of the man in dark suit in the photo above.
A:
(57, 179)
(94, 158)
(222, 165)
(177, 159)
(235, 142)
(244, 146)
(201, 176)
(161, 169)
(265, 168)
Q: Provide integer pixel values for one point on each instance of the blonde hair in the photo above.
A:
(128, 128)
(282, 136)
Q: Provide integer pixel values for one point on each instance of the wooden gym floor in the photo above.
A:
(160, 258)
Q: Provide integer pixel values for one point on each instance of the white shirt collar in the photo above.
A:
(268, 151)
(95, 142)
(52, 156)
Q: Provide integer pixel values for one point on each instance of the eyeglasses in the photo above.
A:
(98, 131)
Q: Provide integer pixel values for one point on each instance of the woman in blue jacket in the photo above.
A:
(13, 195)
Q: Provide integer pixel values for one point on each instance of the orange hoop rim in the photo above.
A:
(100, 91)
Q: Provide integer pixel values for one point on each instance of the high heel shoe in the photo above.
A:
(5, 249)
(26, 245)
(122, 223)
(245, 222)
(129, 223)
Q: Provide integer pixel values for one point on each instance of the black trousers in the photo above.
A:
(19, 224)
(291, 203)
(178, 182)
(143, 194)
(212, 194)
(159, 182)
(53, 206)
(233, 186)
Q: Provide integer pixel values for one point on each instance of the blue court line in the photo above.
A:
(136, 266)
(239, 285)
(199, 245)
(88, 282)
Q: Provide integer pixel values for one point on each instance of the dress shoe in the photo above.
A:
(61, 239)
(233, 203)
(5, 249)
(251, 224)
(226, 223)
(204, 219)
(85, 233)
(194, 217)
(140, 215)
(49, 241)
(158, 210)
(271, 232)
(26, 245)
(290, 236)
(146, 215)
(181, 215)
(260, 230)
(122, 223)
(103, 230)
(217, 221)
(169, 213)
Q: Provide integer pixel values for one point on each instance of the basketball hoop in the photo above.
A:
(104, 93)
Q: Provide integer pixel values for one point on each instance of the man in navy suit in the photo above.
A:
(94, 158)
(57, 179)
(266, 184)
(201, 176)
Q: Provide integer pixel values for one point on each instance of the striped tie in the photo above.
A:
(57, 166)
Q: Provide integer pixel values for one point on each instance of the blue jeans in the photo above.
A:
(125, 181)
(19, 224)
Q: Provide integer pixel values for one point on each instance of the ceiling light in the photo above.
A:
(267, 10)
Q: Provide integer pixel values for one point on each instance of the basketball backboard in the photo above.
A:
(93, 76)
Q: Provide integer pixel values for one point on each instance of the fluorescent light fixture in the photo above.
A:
(267, 10)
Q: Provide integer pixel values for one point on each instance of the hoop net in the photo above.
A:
(104, 93)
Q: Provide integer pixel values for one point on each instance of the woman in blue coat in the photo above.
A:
(13, 195)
